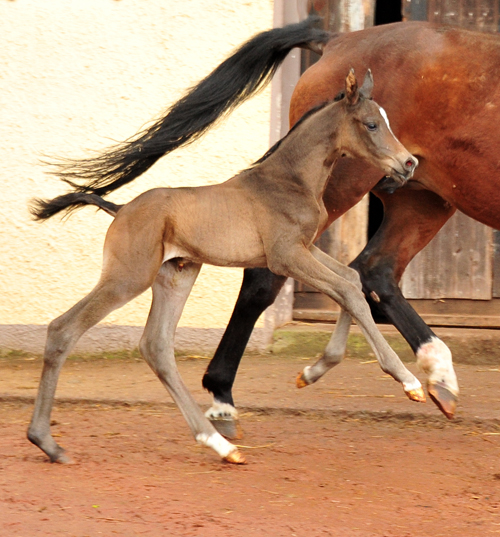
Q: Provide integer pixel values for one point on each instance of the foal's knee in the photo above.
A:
(58, 342)
(354, 277)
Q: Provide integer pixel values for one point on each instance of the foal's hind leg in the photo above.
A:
(62, 335)
(170, 291)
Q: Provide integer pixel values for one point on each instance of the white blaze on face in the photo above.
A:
(383, 113)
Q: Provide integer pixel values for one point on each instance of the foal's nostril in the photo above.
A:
(409, 164)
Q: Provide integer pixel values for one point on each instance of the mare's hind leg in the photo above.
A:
(336, 347)
(299, 263)
(170, 292)
(62, 335)
(411, 219)
(259, 289)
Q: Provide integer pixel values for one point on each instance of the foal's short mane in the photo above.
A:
(272, 149)
(309, 113)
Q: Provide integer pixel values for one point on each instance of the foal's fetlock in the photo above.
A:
(312, 373)
(48, 445)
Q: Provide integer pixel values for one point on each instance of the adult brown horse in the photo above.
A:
(444, 107)
(443, 100)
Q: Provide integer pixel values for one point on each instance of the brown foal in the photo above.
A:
(266, 216)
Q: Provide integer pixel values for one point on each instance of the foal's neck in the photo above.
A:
(311, 149)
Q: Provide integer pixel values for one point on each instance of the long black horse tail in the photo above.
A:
(43, 209)
(240, 76)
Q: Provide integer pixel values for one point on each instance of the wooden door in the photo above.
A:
(347, 236)
(455, 280)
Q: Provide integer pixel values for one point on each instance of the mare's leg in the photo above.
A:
(412, 218)
(259, 289)
(299, 263)
(62, 335)
(170, 291)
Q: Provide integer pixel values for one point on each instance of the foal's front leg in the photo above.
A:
(335, 350)
(299, 263)
(170, 292)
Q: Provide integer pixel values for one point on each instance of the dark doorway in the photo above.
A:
(386, 11)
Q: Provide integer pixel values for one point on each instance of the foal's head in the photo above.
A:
(366, 132)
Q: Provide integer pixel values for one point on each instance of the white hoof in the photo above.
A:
(435, 360)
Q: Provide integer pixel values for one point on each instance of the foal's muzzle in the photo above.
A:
(403, 171)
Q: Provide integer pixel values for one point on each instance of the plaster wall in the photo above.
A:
(74, 77)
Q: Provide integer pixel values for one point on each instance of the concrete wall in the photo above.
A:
(74, 76)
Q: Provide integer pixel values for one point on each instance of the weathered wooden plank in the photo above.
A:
(457, 263)
(464, 313)
(479, 15)
(496, 263)
(464, 321)
(472, 313)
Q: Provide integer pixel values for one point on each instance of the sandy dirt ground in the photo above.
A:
(349, 457)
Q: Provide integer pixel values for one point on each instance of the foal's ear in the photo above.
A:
(367, 87)
(351, 88)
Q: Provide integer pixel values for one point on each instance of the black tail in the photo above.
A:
(244, 73)
(43, 209)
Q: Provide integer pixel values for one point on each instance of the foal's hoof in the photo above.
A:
(61, 458)
(301, 382)
(235, 457)
(417, 395)
(229, 428)
(445, 400)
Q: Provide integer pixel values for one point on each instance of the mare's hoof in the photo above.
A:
(228, 427)
(417, 395)
(235, 457)
(301, 381)
(445, 400)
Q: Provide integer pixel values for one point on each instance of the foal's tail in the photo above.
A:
(43, 209)
(239, 77)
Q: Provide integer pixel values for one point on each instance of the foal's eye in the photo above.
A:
(371, 126)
